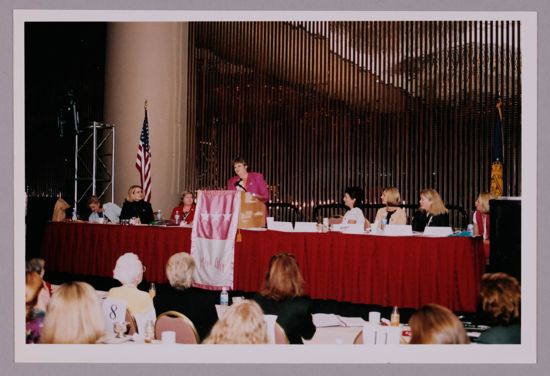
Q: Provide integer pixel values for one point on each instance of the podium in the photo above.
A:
(253, 212)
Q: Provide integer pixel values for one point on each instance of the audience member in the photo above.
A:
(436, 325)
(282, 295)
(37, 265)
(129, 271)
(136, 207)
(242, 323)
(197, 304)
(185, 209)
(34, 316)
(432, 211)
(501, 299)
(74, 316)
(108, 212)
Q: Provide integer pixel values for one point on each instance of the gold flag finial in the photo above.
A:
(145, 105)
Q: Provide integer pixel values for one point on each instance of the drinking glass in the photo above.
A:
(152, 290)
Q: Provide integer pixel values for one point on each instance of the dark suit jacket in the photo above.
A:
(294, 316)
(197, 304)
(420, 221)
(141, 209)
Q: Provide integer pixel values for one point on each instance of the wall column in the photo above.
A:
(148, 61)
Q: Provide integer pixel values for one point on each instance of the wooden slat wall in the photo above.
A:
(317, 106)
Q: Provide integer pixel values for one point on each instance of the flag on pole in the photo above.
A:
(143, 161)
(497, 155)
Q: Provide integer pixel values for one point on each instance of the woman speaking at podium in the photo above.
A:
(251, 182)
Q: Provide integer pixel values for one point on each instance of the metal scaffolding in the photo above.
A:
(93, 174)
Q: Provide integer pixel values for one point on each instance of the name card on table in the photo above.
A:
(438, 231)
(398, 230)
(374, 334)
(280, 226)
(270, 321)
(305, 227)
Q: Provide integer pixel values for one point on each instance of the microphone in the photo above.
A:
(238, 184)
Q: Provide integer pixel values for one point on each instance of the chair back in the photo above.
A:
(179, 323)
(280, 335)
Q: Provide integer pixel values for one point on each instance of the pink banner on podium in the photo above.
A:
(213, 238)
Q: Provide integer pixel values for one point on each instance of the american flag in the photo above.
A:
(143, 161)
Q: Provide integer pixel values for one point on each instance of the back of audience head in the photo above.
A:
(501, 298)
(36, 265)
(180, 270)
(242, 323)
(33, 285)
(128, 269)
(435, 324)
(283, 278)
(74, 315)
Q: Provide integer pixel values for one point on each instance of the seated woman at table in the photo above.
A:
(242, 323)
(34, 314)
(197, 304)
(185, 209)
(436, 325)
(74, 316)
(481, 220)
(392, 212)
(251, 182)
(108, 212)
(129, 271)
(283, 295)
(432, 211)
(135, 207)
(501, 300)
(353, 197)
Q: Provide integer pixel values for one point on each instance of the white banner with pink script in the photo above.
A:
(213, 238)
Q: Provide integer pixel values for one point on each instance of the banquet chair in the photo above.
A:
(280, 335)
(179, 323)
(132, 321)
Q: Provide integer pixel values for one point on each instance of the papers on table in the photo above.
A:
(321, 320)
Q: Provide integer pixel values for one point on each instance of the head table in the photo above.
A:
(405, 271)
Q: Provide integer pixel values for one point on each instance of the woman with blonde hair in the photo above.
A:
(283, 295)
(436, 325)
(432, 211)
(197, 304)
(393, 214)
(242, 323)
(501, 299)
(74, 316)
(136, 207)
(481, 220)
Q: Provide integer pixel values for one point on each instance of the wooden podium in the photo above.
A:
(253, 212)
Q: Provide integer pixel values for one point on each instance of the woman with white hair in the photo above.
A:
(197, 304)
(129, 271)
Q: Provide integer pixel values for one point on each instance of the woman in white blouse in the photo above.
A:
(354, 197)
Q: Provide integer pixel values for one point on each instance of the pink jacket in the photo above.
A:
(255, 184)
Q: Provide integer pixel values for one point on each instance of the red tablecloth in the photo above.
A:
(403, 271)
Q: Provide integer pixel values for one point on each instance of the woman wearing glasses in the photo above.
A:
(185, 209)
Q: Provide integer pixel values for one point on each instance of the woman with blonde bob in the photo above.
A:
(136, 207)
(243, 323)
(392, 212)
(197, 304)
(282, 295)
(437, 325)
(501, 299)
(74, 316)
(432, 211)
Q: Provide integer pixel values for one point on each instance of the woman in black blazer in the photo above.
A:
(135, 207)
(432, 211)
(282, 295)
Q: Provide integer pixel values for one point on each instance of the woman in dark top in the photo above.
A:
(432, 211)
(135, 207)
(198, 305)
(282, 295)
(501, 300)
